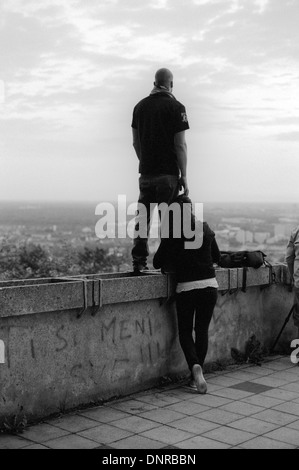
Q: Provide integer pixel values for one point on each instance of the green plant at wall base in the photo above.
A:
(253, 352)
(15, 425)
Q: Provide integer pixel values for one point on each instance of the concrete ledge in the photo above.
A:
(93, 291)
(16, 299)
(233, 278)
(74, 341)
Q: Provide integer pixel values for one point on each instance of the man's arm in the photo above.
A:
(136, 143)
(180, 147)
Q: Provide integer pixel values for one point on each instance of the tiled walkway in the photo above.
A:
(248, 407)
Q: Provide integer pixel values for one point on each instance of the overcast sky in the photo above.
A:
(72, 71)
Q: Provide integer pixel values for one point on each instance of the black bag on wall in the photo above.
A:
(241, 259)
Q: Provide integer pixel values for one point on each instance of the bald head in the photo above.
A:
(164, 77)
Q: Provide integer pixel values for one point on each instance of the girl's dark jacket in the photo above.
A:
(188, 264)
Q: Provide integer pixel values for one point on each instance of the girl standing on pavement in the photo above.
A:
(196, 290)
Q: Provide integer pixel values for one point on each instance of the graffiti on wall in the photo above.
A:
(110, 349)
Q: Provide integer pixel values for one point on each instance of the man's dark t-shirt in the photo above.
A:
(157, 118)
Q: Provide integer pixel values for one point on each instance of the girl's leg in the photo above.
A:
(185, 316)
(205, 304)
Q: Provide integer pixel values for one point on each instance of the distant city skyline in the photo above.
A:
(71, 72)
(60, 227)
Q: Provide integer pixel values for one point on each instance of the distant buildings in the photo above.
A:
(237, 227)
(240, 233)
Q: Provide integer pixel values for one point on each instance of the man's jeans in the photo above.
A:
(153, 190)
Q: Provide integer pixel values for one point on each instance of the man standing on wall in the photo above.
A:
(159, 124)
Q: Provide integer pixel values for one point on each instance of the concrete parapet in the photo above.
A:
(77, 340)
(55, 294)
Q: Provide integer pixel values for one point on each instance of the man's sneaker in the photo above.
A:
(139, 269)
(199, 380)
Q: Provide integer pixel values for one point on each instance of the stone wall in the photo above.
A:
(74, 341)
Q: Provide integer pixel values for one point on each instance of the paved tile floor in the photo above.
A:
(248, 407)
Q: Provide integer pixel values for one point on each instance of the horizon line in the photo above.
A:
(93, 201)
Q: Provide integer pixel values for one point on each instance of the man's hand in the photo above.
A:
(184, 184)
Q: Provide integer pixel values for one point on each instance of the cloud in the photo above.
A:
(73, 70)
(159, 4)
(76, 47)
(2, 92)
(288, 136)
(261, 5)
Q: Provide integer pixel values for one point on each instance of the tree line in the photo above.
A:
(28, 261)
